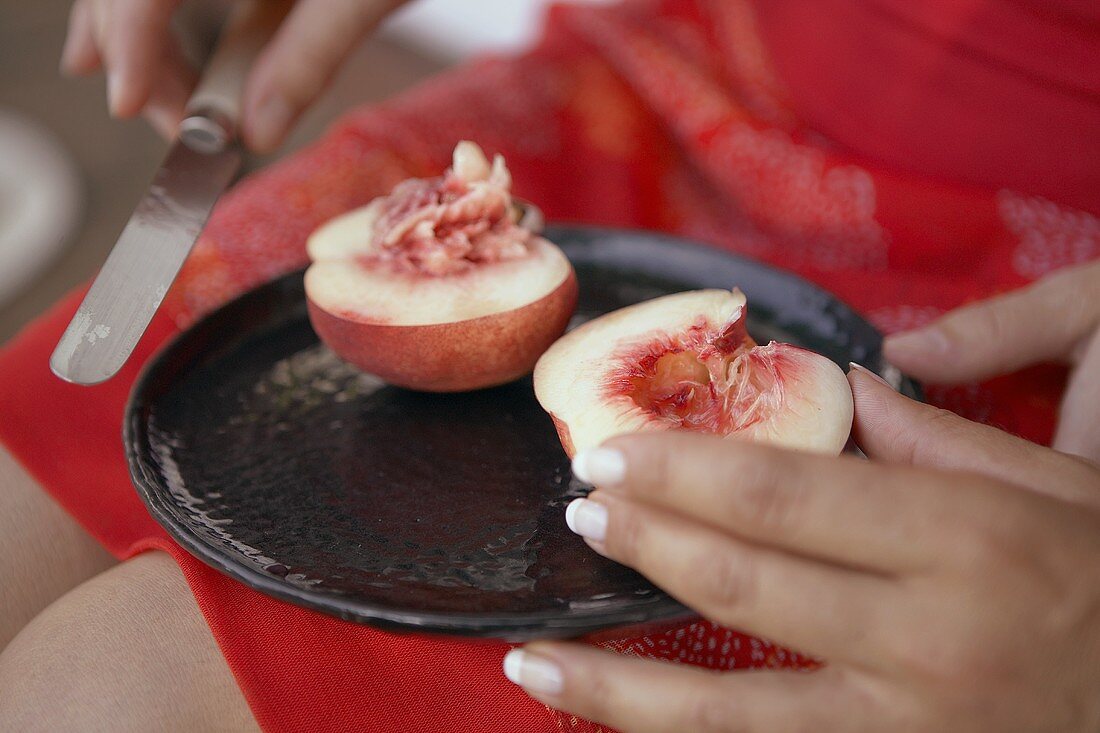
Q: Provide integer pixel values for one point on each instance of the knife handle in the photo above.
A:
(214, 111)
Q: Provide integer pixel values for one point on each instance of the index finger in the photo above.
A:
(644, 696)
(133, 40)
(882, 517)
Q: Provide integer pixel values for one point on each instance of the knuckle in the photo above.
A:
(299, 83)
(977, 548)
(596, 695)
(316, 55)
(657, 467)
(996, 321)
(773, 504)
(990, 541)
(956, 661)
(1060, 295)
(927, 655)
(710, 711)
(625, 534)
(962, 648)
(911, 652)
(939, 417)
(729, 584)
(936, 421)
(602, 697)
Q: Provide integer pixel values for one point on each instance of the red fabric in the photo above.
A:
(667, 115)
(994, 93)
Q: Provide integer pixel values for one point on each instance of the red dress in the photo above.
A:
(907, 156)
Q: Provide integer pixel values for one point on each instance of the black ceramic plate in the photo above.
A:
(269, 459)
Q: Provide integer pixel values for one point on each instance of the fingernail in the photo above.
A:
(531, 672)
(114, 90)
(923, 341)
(68, 51)
(268, 122)
(587, 518)
(600, 466)
(864, 370)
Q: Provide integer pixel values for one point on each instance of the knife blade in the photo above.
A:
(143, 264)
(156, 241)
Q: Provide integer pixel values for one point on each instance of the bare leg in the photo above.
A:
(44, 553)
(126, 651)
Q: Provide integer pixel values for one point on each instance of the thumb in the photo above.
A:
(890, 427)
(1042, 322)
(1079, 418)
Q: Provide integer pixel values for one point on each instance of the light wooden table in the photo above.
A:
(117, 159)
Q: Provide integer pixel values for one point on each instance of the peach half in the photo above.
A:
(687, 362)
(437, 287)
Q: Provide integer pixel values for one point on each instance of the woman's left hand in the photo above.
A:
(1056, 319)
(951, 583)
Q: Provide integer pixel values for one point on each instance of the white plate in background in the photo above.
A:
(41, 199)
(454, 30)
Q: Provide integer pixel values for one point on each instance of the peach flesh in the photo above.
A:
(686, 362)
(697, 381)
(706, 387)
(437, 287)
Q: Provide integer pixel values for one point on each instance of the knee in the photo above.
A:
(127, 650)
(44, 553)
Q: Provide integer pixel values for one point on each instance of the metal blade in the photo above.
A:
(143, 264)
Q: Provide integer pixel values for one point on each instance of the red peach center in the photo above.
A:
(442, 226)
(708, 380)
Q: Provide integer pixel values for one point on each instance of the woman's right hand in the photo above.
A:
(950, 582)
(147, 72)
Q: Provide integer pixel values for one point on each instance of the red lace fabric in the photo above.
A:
(665, 115)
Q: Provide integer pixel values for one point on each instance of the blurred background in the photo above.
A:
(70, 176)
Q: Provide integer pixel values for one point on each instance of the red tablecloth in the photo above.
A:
(666, 115)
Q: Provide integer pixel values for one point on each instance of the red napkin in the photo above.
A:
(660, 115)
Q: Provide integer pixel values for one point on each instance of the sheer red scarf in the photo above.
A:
(666, 115)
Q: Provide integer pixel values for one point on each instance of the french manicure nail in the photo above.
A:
(114, 91)
(68, 55)
(600, 466)
(532, 672)
(864, 370)
(587, 518)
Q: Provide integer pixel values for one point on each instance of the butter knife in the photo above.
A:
(202, 162)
